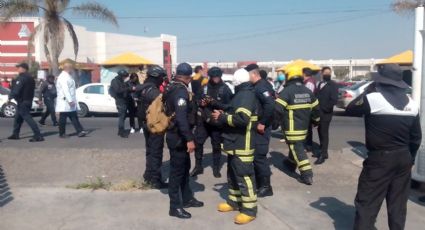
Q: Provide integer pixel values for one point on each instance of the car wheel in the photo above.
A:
(9, 110)
(83, 111)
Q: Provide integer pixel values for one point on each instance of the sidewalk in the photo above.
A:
(328, 204)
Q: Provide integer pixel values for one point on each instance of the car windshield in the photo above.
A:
(4, 91)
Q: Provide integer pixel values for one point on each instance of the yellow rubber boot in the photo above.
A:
(243, 219)
(225, 207)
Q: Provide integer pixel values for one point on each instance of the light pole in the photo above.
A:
(418, 173)
(418, 54)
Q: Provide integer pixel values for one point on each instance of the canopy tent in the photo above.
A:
(405, 58)
(127, 59)
(301, 63)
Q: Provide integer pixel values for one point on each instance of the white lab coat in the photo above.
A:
(65, 86)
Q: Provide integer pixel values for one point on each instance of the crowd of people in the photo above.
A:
(240, 124)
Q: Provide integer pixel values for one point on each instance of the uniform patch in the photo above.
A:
(181, 102)
(266, 94)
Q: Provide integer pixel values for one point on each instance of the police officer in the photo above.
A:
(23, 93)
(48, 95)
(265, 95)
(393, 137)
(298, 108)
(121, 92)
(180, 141)
(147, 93)
(239, 145)
(216, 96)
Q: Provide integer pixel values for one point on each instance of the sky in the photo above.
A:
(266, 30)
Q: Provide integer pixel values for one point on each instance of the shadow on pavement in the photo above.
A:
(358, 148)
(5, 194)
(277, 161)
(341, 213)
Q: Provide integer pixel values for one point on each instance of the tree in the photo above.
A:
(53, 24)
(406, 6)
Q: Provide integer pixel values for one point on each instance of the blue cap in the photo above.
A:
(184, 69)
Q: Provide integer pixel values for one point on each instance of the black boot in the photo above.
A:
(306, 178)
(265, 188)
(198, 170)
(321, 160)
(179, 213)
(216, 167)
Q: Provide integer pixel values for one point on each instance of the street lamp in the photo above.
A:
(418, 173)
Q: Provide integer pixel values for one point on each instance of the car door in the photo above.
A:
(94, 95)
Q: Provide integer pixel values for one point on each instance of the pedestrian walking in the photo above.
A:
(48, 95)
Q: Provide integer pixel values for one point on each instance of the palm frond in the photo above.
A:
(18, 8)
(63, 5)
(95, 10)
(405, 6)
(74, 37)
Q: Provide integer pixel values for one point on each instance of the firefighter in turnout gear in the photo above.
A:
(180, 141)
(216, 95)
(238, 143)
(147, 93)
(298, 107)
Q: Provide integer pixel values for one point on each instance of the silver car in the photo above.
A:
(348, 94)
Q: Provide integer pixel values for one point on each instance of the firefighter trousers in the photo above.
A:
(241, 182)
(298, 156)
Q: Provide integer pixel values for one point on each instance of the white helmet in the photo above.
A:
(240, 76)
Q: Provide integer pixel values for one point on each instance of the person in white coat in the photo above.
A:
(66, 102)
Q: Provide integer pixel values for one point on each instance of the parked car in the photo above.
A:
(8, 109)
(346, 95)
(95, 98)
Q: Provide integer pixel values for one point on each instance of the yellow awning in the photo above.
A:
(405, 58)
(128, 59)
(301, 63)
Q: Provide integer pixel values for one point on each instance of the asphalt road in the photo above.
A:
(344, 132)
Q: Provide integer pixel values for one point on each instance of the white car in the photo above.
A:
(95, 98)
(8, 109)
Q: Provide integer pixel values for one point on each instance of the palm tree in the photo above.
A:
(53, 24)
(406, 6)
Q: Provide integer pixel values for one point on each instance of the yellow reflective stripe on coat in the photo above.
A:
(291, 120)
(282, 102)
(245, 111)
(247, 159)
(230, 120)
(254, 118)
(315, 103)
(249, 205)
(248, 136)
(300, 106)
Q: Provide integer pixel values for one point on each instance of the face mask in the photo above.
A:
(327, 77)
(281, 77)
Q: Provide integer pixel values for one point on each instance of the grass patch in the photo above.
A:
(95, 184)
(123, 186)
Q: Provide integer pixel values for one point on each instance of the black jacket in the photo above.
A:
(48, 91)
(327, 93)
(23, 89)
(297, 108)
(391, 119)
(265, 95)
(239, 130)
(178, 104)
(120, 90)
